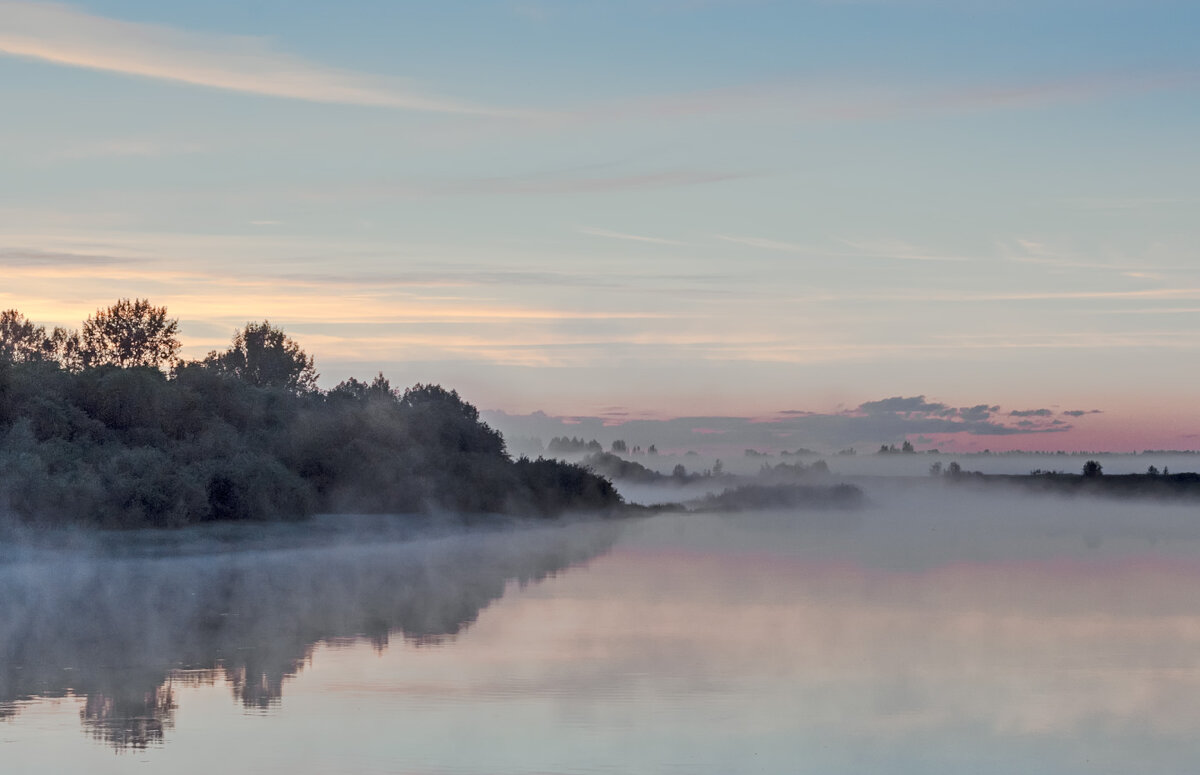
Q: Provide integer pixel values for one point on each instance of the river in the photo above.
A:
(924, 633)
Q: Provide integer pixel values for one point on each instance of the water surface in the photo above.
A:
(929, 632)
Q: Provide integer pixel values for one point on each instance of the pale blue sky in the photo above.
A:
(668, 206)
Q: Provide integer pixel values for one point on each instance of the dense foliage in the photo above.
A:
(246, 435)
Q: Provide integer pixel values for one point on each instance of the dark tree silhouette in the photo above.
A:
(619, 446)
(1092, 468)
(377, 389)
(128, 334)
(113, 441)
(21, 341)
(264, 356)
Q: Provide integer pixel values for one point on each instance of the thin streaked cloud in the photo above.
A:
(838, 98)
(553, 184)
(631, 237)
(897, 251)
(28, 259)
(65, 35)
(126, 147)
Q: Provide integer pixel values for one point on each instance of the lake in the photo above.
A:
(928, 632)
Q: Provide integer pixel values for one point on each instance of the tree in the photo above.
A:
(439, 399)
(907, 447)
(954, 469)
(442, 419)
(128, 334)
(936, 468)
(21, 341)
(266, 357)
(377, 389)
(619, 447)
(1092, 468)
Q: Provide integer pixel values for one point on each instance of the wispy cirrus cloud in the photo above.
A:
(17, 258)
(630, 237)
(65, 35)
(555, 183)
(897, 251)
(127, 147)
(849, 98)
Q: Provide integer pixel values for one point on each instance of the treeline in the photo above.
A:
(1091, 482)
(573, 445)
(107, 426)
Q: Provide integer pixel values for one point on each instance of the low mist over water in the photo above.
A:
(114, 619)
(929, 629)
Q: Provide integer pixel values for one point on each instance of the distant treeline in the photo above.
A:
(785, 496)
(1090, 481)
(573, 445)
(108, 427)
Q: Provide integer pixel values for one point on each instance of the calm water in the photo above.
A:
(923, 634)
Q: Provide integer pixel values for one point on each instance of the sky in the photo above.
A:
(980, 211)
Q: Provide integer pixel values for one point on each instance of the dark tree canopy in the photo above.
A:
(264, 356)
(378, 389)
(1092, 468)
(93, 430)
(20, 340)
(23, 342)
(128, 334)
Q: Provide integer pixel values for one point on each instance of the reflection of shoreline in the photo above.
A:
(117, 630)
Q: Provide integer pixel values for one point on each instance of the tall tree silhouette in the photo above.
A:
(265, 356)
(23, 342)
(128, 334)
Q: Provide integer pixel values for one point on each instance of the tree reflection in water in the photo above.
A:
(124, 631)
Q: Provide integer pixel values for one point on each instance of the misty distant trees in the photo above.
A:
(563, 445)
(109, 427)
